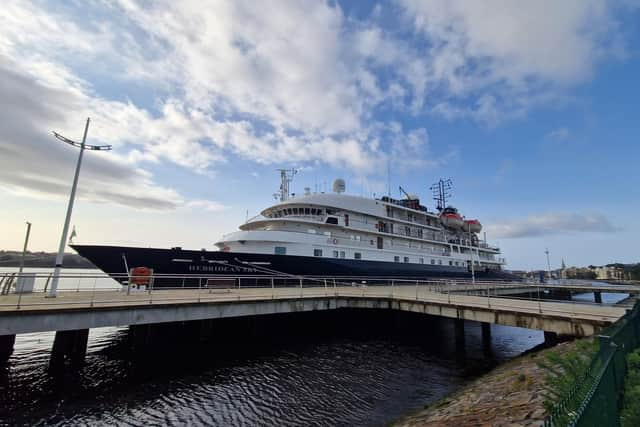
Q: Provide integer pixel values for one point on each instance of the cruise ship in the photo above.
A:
(326, 234)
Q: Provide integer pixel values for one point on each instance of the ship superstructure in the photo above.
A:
(341, 226)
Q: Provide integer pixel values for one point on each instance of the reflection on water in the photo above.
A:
(349, 368)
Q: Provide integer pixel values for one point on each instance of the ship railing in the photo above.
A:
(486, 245)
(99, 289)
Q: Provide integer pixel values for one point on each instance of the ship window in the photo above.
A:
(440, 262)
(342, 254)
(332, 220)
(289, 211)
(433, 261)
(307, 211)
(335, 254)
(295, 211)
(421, 260)
(407, 231)
(406, 259)
(357, 255)
(450, 262)
(280, 250)
(317, 252)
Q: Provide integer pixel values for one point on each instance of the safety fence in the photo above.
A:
(595, 400)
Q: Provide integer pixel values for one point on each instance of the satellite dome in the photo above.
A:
(339, 186)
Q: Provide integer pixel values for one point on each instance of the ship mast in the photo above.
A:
(441, 192)
(286, 176)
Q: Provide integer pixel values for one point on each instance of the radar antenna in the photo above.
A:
(286, 176)
(441, 192)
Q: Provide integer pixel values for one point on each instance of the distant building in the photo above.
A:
(610, 272)
(578, 273)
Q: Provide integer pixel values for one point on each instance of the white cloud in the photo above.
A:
(560, 134)
(503, 57)
(552, 224)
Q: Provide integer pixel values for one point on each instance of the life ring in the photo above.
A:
(141, 275)
(335, 241)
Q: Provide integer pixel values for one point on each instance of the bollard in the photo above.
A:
(93, 292)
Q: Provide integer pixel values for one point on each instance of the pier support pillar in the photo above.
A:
(459, 332)
(486, 334)
(69, 346)
(139, 336)
(6, 347)
(597, 296)
(486, 339)
(550, 338)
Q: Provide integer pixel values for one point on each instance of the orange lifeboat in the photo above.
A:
(451, 218)
(473, 225)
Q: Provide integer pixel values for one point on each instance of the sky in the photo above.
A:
(531, 108)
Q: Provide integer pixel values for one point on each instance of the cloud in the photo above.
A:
(552, 224)
(35, 164)
(496, 59)
(560, 134)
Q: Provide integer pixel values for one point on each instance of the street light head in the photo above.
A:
(79, 145)
(98, 147)
(67, 140)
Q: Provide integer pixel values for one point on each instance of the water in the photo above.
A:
(353, 368)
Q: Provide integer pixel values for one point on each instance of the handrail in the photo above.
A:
(594, 399)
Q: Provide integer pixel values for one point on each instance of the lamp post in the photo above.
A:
(473, 271)
(546, 251)
(65, 229)
(24, 249)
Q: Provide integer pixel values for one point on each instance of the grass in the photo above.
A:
(565, 373)
(630, 415)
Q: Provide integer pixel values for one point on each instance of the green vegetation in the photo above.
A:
(565, 373)
(630, 415)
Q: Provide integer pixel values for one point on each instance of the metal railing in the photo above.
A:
(595, 399)
(94, 289)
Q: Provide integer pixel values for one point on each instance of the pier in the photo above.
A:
(73, 313)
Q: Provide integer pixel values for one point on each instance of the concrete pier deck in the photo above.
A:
(86, 309)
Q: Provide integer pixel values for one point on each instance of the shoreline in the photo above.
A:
(508, 395)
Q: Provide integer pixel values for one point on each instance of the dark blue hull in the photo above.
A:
(111, 260)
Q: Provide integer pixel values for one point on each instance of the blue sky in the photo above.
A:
(530, 107)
